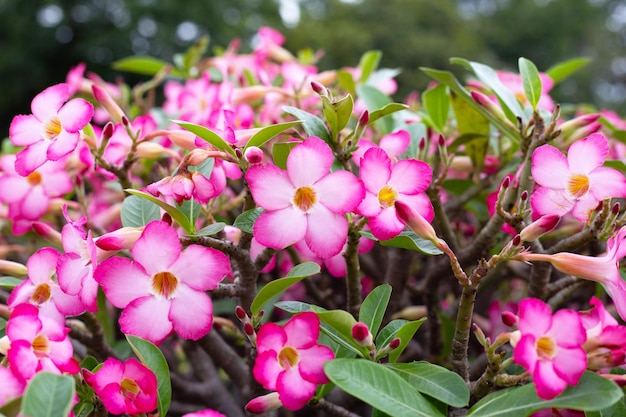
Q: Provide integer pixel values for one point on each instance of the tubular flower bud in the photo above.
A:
(253, 155)
(362, 335)
(264, 403)
(540, 227)
(106, 101)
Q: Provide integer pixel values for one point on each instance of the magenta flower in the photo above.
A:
(576, 183)
(306, 201)
(290, 360)
(52, 131)
(550, 347)
(124, 387)
(12, 386)
(606, 338)
(385, 184)
(164, 289)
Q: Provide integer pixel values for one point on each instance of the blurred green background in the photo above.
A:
(41, 40)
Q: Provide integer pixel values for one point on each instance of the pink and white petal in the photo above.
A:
(281, 228)
(157, 248)
(71, 271)
(271, 337)
(21, 294)
(395, 143)
(270, 186)
(89, 293)
(420, 203)
(336, 265)
(567, 329)
(18, 186)
(22, 359)
(293, 391)
(312, 361)
(112, 399)
(410, 176)
(34, 204)
(122, 280)
(64, 143)
(266, 369)
(302, 330)
(68, 305)
(191, 313)
(386, 225)
(550, 168)
(570, 364)
(214, 266)
(12, 387)
(584, 206)
(25, 130)
(60, 351)
(309, 161)
(56, 183)
(525, 353)
(375, 169)
(547, 382)
(607, 183)
(203, 189)
(148, 318)
(616, 287)
(369, 206)
(112, 370)
(545, 201)
(535, 317)
(47, 103)
(31, 157)
(75, 114)
(24, 323)
(589, 153)
(326, 232)
(42, 264)
(341, 192)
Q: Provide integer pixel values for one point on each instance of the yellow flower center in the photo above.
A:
(546, 348)
(129, 388)
(578, 185)
(40, 346)
(288, 357)
(305, 198)
(52, 128)
(34, 178)
(164, 284)
(41, 294)
(387, 196)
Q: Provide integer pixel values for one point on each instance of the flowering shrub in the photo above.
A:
(272, 237)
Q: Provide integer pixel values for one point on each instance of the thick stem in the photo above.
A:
(332, 409)
(460, 342)
(353, 271)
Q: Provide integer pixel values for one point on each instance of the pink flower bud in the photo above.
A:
(540, 227)
(394, 343)
(318, 88)
(509, 319)
(416, 222)
(47, 232)
(362, 335)
(267, 402)
(365, 118)
(248, 329)
(240, 313)
(254, 155)
(517, 240)
(106, 101)
(107, 131)
(576, 123)
(123, 238)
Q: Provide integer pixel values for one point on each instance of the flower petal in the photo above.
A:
(281, 228)
(386, 225)
(570, 364)
(64, 144)
(546, 200)
(25, 130)
(326, 232)
(535, 317)
(122, 280)
(294, 391)
(410, 176)
(567, 329)
(270, 186)
(72, 270)
(309, 161)
(369, 206)
(302, 330)
(589, 153)
(607, 183)
(75, 114)
(266, 369)
(157, 248)
(49, 101)
(549, 167)
(191, 313)
(375, 169)
(396, 142)
(312, 363)
(341, 192)
(214, 266)
(42, 264)
(525, 353)
(31, 157)
(547, 382)
(148, 318)
(35, 204)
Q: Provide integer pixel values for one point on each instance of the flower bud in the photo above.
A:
(362, 335)
(319, 88)
(15, 269)
(46, 231)
(254, 155)
(365, 118)
(416, 222)
(248, 329)
(240, 313)
(395, 343)
(122, 238)
(106, 101)
(569, 127)
(540, 227)
(264, 403)
(509, 319)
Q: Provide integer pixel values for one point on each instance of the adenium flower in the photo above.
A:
(164, 288)
(606, 338)
(306, 201)
(52, 131)
(124, 387)
(290, 361)
(12, 386)
(576, 183)
(549, 347)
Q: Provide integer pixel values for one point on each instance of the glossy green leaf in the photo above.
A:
(386, 110)
(267, 133)
(388, 332)
(245, 221)
(407, 239)
(346, 81)
(437, 105)
(341, 322)
(379, 387)
(83, 409)
(374, 306)
(211, 229)
(615, 164)
(10, 282)
(530, 81)
(191, 209)
(49, 395)
(207, 135)
(405, 333)
(337, 113)
(278, 286)
(295, 307)
(616, 410)
(205, 168)
(368, 63)
(313, 125)
(280, 153)
(563, 70)
(434, 381)
(153, 358)
(138, 212)
(144, 65)
(174, 213)
(593, 393)
(374, 100)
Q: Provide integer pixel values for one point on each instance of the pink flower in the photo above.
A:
(606, 338)
(124, 387)
(394, 144)
(12, 386)
(52, 131)
(305, 202)
(164, 289)
(550, 347)
(576, 183)
(385, 184)
(290, 360)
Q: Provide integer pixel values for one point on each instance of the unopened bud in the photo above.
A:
(480, 335)
(238, 153)
(416, 222)
(569, 127)
(540, 227)
(254, 155)
(509, 319)
(123, 238)
(240, 313)
(524, 195)
(395, 343)
(166, 218)
(441, 141)
(248, 329)
(264, 403)
(422, 144)
(365, 118)
(14, 269)
(47, 232)
(107, 131)
(318, 88)
(362, 335)
(615, 209)
(506, 182)
(125, 121)
(517, 240)
(105, 100)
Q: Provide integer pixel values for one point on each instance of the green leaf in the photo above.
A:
(405, 333)
(341, 322)
(49, 395)
(388, 332)
(191, 209)
(450, 80)
(83, 409)
(386, 110)
(207, 135)
(178, 216)
(273, 288)
(434, 381)
(374, 306)
(245, 221)
(593, 393)
(616, 410)
(280, 153)
(379, 387)
(337, 113)
(530, 81)
(313, 125)
(267, 133)
(10, 282)
(437, 104)
(563, 70)
(144, 65)
(194, 53)
(153, 358)
(137, 211)
(12, 408)
(374, 99)
(368, 63)
(211, 229)
(295, 307)
(346, 81)
(407, 239)
(615, 164)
